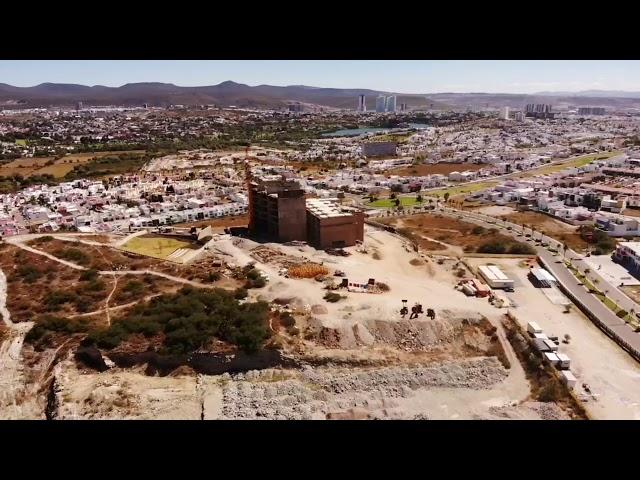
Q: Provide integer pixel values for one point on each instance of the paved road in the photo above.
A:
(564, 276)
(614, 293)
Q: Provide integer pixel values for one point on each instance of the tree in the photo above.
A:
(446, 196)
(419, 198)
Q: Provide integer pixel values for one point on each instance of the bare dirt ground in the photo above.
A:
(360, 359)
(435, 168)
(444, 234)
(631, 212)
(614, 382)
(60, 167)
(124, 395)
(494, 210)
(554, 228)
(219, 224)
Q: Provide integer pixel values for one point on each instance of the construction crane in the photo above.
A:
(248, 177)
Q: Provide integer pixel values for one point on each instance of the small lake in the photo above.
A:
(353, 132)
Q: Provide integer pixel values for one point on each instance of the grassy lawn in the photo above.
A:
(390, 203)
(158, 247)
(462, 189)
(572, 163)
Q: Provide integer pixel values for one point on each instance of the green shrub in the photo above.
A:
(190, 319)
(48, 323)
(88, 275)
(54, 300)
(45, 239)
(622, 313)
(551, 392)
(521, 249)
(29, 273)
(73, 255)
(134, 287)
(287, 320)
(492, 247)
(255, 283)
(478, 230)
(95, 285)
(332, 297)
(240, 293)
(213, 276)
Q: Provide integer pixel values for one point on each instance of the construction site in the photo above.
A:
(345, 349)
(278, 211)
(363, 320)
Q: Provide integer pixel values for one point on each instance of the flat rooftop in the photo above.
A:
(633, 246)
(325, 208)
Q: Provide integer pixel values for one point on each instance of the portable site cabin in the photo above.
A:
(568, 378)
(552, 358)
(565, 362)
(541, 278)
(539, 345)
(533, 327)
(482, 289)
(495, 277)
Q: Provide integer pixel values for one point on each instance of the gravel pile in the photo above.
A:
(315, 393)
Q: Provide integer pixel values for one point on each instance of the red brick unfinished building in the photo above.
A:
(330, 226)
(279, 212)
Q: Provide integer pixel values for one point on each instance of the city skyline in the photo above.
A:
(423, 76)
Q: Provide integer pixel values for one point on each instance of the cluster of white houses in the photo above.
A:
(89, 206)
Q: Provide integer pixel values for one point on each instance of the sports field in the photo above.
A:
(388, 202)
(157, 247)
(461, 189)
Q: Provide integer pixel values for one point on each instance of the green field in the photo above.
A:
(157, 247)
(461, 189)
(573, 163)
(390, 203)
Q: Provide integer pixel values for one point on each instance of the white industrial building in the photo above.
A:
(495, 277)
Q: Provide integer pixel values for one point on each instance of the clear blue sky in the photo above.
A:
(420, 76)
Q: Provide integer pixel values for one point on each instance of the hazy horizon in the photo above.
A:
(416, 76)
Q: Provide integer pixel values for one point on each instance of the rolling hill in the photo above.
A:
(268, 96)
(224, 94)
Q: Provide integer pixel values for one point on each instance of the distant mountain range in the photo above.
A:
(224, 94)
(593, 93)
(267, 96)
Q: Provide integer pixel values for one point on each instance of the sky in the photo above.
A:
(401, 76)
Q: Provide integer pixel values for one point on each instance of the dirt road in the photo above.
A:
(4, 311)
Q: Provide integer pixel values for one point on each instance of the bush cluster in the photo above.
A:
(73, 255)
(515, 248)
(191, 318)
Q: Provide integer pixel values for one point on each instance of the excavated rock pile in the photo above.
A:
(315, 393)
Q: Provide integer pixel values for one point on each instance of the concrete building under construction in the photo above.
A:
(331, 226)
(278, 211)
(277, 208)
